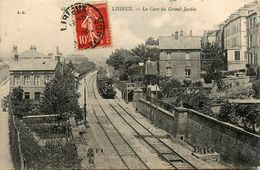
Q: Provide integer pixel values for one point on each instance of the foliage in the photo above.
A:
(23, 108)
(247, 114)
(146, 52)
(228, 113)
(17, 95)
(82, 68)
(60, 95)
(187, 83)
(214, 62)
(151, 41)
(250, 71)
(213, 55)
(197, 84)
(54, 155)
(123, 76)
(196, 100)
(151, 79)
(117, 58)
(170, 87)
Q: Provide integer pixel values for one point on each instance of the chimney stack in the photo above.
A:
(176, 35)
(182, 33)
(58, 54)
(190, 32)
(15, 53)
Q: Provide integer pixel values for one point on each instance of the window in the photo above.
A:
(187, 56)
(187, 72)
(254, 21)
(37, 95)
(168, 55)
(47, 79)
(254, 59)
(237, 55)
(26, 80)
(36, 80)
(250, 40)
(27, 95)
(168, 71)
(16, 80)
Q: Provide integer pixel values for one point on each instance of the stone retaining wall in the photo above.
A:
(234, 144)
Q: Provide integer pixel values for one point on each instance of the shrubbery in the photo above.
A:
(246, 115)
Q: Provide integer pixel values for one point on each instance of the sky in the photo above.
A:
(40, 25)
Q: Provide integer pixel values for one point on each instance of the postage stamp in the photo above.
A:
(92, 27)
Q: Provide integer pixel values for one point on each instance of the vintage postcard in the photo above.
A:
(130, 84)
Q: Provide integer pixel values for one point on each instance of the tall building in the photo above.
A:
(253, 38)
(180, 56)
(235, 37)
(31, 72)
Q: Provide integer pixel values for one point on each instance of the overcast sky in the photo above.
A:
(41, 23)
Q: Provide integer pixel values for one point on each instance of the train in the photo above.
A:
(104, 85)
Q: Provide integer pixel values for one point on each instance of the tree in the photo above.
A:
(60, 95)
(117, 58)
(146, 52)
(170, 87)
(227, 113)
(213, 62)
(249, 115)
(17, 95)
(151, 41)
(196, 100)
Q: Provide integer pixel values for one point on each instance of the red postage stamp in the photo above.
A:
(92, 26)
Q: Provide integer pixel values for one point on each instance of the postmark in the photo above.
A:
(90, 23)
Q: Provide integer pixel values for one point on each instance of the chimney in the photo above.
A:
(190, 32)
(182, 33)
(58, 55)
(176, 35)
(15, 53)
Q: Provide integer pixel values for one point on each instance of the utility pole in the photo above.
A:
(85, 103)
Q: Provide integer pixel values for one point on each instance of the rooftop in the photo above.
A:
(182, 43)
(33, 65)
(32, 54)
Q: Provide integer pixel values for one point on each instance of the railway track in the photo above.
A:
(111, 132)
(164, 151)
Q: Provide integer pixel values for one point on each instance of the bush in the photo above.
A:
(197, 100)
(250, 72)
(187, 83)
(123, 76)
(228, 113)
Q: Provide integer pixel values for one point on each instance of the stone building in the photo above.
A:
(235, 37)
(31, 72)
(253, 39)
(180, 56)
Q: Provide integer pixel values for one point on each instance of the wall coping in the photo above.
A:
(159, 108)
(182, 109)
(228, 125)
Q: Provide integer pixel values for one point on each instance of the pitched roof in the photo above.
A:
(33, 65)
(183, 42)
(31, 54)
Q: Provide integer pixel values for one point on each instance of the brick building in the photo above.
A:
(31, 72)
(180, 56)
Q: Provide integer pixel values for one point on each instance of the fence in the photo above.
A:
(14, 137)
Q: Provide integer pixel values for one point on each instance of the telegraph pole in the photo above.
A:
(85, 103)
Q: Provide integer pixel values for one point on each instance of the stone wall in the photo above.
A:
(234, 144)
